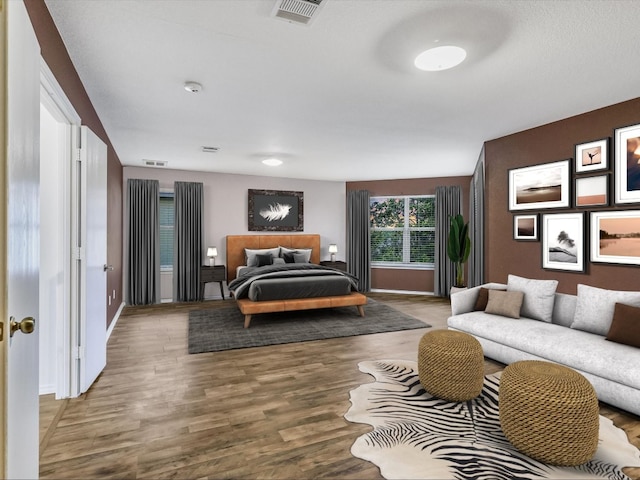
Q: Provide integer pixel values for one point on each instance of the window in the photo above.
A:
(403, 231)
(166, 231)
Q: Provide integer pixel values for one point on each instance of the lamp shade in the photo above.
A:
(333, 248)
(212, 252)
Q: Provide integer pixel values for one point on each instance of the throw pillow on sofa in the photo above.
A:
(483, 298)
(595, 307)
(625, 326)
(506, 304)
(539, 296)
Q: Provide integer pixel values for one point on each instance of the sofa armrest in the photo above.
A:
(463, 301)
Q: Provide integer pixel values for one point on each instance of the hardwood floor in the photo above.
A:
(265, 412)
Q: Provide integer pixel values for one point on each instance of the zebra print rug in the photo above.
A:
(418, 436)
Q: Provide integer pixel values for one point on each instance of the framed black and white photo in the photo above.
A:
(275, 210)
(592, 156)
(627, 164)
(525, 227)
(540, 186)
(615, 237)
(563, 241)
(592, 191)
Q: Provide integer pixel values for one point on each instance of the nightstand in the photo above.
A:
(216, 273)
(338, 265)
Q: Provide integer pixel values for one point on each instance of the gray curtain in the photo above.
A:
(187, 246)
(358, 238)
(476, 225)
(448, 203)
(143, 265)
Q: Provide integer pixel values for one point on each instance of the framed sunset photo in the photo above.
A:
(525, 227)
(540, 186)
(592, 191)
(615, 237)
(627, 164)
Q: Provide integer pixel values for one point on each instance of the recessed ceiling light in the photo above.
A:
(440, 58)
(193, 87)
(272, 162)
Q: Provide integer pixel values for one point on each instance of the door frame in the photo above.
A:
(3, 237)
(57, 103)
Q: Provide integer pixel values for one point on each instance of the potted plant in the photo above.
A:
(459, 246)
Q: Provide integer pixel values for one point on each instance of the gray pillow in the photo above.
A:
(595, 307)
(507, 304)
(300, 258)
(306, 251)
(252, 260)
(539, 296)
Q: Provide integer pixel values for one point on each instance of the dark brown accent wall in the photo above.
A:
(57, 58)
(551, 142)
(402, 279)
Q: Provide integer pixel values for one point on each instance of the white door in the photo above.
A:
(93, 193)
(20, 241)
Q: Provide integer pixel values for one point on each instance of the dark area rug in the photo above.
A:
(223, 328)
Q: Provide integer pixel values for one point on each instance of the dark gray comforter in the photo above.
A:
(294, 280)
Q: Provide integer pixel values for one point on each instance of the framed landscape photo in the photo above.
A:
(592, 156)
(525, 227)
(627, 164)
(615, 237)
(592, 191)
(275, 210)
(563, 241)
(540, 186)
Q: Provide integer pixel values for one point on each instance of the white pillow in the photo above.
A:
(305, 251)
(250, 254)
(539, 296)
(595, 307)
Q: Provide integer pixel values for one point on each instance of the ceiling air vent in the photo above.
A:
(297, 11)
(155, 163)
(210, 149)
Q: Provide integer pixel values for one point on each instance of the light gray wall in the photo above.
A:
(226, 207)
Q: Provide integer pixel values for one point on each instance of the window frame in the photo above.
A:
(166, 193)
(406, 235)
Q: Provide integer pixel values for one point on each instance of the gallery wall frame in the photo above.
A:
(627, 164)
(592, 191)
(275, 210)
(563, 241)
(526, 227)
(540, 187)
(592, 156)
(615, 237)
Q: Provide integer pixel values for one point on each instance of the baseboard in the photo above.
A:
(46, 389)
(112, 325)
(402, 292)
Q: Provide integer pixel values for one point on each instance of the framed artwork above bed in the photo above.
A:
(276, 211)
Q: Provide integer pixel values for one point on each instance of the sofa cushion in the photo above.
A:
(539, 296)
(595, 307)
(625, 326)
(576, 349)
(483, 298)
(507, 304)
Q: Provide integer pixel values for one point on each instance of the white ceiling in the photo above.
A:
(340, 99)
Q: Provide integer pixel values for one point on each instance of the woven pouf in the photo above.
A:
(451, 365)
(549, 412)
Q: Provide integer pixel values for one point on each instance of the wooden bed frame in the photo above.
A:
(235, 258)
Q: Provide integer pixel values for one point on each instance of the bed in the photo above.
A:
(330, 295)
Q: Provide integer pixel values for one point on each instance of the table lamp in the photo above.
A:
(212, 253)
(333, 249)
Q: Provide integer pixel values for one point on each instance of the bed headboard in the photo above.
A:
(237, 243)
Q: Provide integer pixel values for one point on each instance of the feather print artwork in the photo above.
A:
(275, 211)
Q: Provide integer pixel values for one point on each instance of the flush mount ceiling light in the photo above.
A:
(193, 87)
(272, 162)
(440, 58)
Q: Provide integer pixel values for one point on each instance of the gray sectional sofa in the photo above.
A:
(566, 329)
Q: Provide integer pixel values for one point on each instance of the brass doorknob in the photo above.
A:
(26, 325)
